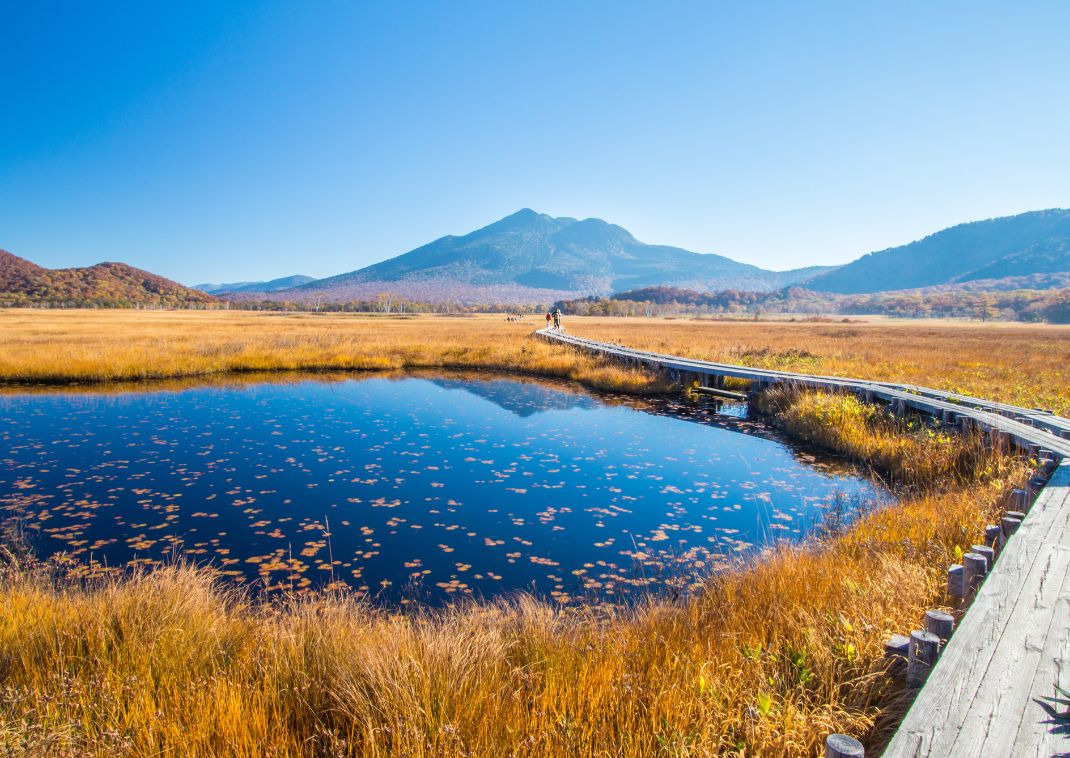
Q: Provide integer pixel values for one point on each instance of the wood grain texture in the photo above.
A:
(985, 695)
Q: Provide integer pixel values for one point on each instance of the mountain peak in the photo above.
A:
(529, 256)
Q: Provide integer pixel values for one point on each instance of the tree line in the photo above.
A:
(1051, 306)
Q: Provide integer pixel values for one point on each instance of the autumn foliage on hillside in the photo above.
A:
(1031, 305)
(109, 285)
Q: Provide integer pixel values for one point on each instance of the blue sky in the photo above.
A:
(212, 141)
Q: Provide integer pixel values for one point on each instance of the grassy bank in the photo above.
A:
(766, 660)
(1016, 364)
(63, 347)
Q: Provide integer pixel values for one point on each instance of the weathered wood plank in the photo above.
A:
(1045, 734)
(981, 694)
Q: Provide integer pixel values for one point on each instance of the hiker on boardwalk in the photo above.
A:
(557, 319)
(548, 319)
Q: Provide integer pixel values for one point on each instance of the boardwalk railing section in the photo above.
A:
(989, 687)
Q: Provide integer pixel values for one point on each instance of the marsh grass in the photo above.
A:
(67, 347)
(1025, 365)
(767, 659)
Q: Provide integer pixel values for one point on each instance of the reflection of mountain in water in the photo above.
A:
(520, 398)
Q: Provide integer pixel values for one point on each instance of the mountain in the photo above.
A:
(531, 257)
(274, 285)
(105, 284)
(520, 398)
(1031, 243)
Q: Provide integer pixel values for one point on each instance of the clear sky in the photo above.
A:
(223, 141)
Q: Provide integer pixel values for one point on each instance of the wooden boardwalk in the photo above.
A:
(990, 691)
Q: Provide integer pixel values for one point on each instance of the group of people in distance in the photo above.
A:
(554, 316)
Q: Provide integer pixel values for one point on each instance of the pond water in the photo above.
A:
(413, 488)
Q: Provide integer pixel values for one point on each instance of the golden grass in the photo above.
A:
(55, 347)
(767, 660)
(1027, 365)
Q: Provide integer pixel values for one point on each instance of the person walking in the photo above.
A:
(557, 319)
(548, 319)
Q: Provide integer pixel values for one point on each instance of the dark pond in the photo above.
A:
(411, 488)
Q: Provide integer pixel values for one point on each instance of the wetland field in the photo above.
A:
(275, 534)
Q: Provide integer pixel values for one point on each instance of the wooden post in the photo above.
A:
(954, 581)
(974, 568)
(1019, 500)
(843, 746)
(988, 552)
(897, 650)
(1010, 525)
(992, 533)
(939, 623)
(924, 650)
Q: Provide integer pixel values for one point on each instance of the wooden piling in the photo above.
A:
(897, 652)
(940, 623)
(1019, 500)
(988, 552)
(843, 746)
(974, 568)
(1010, 525)
(924, 650)
(992, 533)
(954, 581)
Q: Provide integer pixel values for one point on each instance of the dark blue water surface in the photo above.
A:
(415, 488)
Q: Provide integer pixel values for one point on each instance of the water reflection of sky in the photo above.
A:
(424, 488)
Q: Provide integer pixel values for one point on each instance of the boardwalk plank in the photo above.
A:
(1043, 734)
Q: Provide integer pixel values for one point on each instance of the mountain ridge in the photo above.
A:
(273, 285)
(105, 284)
(527, 256)
(1023, 244)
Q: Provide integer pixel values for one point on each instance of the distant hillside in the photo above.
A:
(274, 285)
(1012, 247)
(531, 257)
(105, 285)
